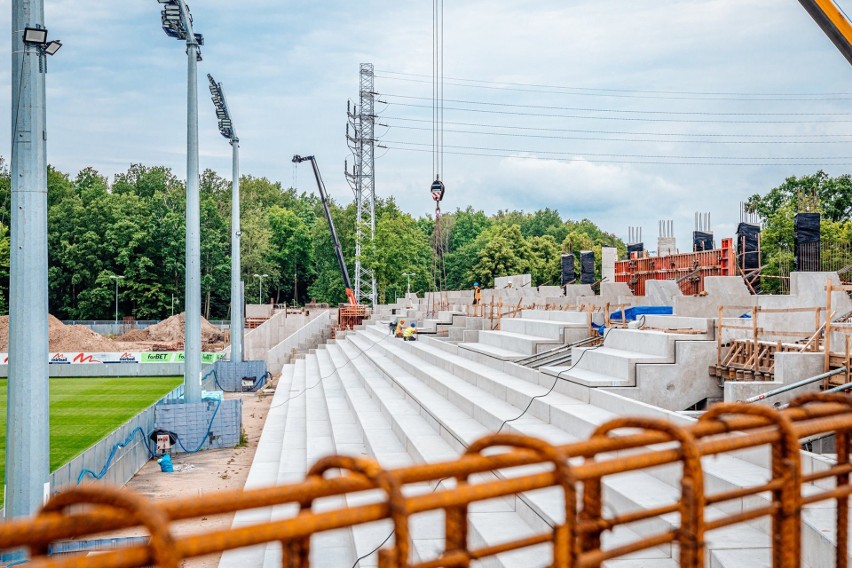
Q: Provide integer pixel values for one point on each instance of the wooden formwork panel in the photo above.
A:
(688, 269)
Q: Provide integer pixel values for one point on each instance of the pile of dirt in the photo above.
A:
(171, 330)
(63, 337)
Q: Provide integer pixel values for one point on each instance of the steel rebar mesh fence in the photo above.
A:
(824, 256)
(579, 469)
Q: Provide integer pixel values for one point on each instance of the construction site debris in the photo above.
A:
(168, 335)
(63, 337)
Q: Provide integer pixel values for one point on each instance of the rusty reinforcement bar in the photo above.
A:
(577, 468)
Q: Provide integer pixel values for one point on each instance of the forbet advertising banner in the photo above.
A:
(83, 358)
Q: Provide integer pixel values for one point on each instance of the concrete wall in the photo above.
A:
(192, 421)
(260, 310)
(662, 292)
(272, 332)
(517, 281)
(680, 385)
(789, 368)
(127, 460)
(279, 355)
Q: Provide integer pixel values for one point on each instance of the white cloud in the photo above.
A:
(116, 96)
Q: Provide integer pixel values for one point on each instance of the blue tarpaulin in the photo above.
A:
(630, 314)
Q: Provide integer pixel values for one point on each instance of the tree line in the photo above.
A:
(133, 226)
(829, 196)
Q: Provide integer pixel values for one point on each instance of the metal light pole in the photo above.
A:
(260, 278)
(116, 278)
(226, 128)
(409, 275)
(177, 23)
(27, 431)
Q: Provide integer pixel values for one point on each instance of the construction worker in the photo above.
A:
(400, 327)
(410, 333)
(392, 327)
(477, 294)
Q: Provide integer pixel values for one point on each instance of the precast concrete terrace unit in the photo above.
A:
(529, 369)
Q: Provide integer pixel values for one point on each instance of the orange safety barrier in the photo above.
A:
(578, 469)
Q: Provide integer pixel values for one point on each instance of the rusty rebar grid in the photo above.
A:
(576, 542)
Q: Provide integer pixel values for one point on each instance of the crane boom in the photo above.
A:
(833, 22)
(338, 250)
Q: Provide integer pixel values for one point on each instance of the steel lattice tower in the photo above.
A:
(363, 178)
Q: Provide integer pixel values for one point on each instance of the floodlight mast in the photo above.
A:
(178, 24)
(27, 431)
(226, 128)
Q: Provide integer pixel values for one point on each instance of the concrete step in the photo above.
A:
(489, 520)
(331, 548)
(492, 351)
(351, 439)
(541, 328)
(497, 523)
(289, 444)
(648, 341)
(615, 363)
(542, 507)
(585, 377)
(556, 315)
(635, 490)
(519, 342)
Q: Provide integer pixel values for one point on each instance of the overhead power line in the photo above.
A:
(623, 93)
(625, 161)
(602, 139)
(618, 155)
(591, 131)
(623, 118)
(623, 111)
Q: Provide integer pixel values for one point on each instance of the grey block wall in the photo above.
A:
(230, 373)
(191, 421)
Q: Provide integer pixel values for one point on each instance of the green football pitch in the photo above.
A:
(83, 411)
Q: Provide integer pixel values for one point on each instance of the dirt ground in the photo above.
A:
(206, 472)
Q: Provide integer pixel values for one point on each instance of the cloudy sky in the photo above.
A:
(621, 111)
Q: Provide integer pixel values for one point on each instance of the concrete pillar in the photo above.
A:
(608, 257)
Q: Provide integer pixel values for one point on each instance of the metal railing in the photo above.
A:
(578, 469)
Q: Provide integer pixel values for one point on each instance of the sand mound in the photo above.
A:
(63, 337)
(171, 330)
(81, 338)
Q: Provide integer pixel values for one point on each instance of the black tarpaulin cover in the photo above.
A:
(587, 267)
(806, 228)
(568, 274)
(702, 241)
(806, 239)
(747, 242)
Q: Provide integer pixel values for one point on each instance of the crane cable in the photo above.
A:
(439, 272)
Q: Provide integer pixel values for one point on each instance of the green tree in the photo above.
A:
(504, 252)
(834, 195)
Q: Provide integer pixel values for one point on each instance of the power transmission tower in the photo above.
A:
(362, 120)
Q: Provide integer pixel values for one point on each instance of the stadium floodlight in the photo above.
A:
(177, 23)
(52, 47)
(226, 129)
(35, 36)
